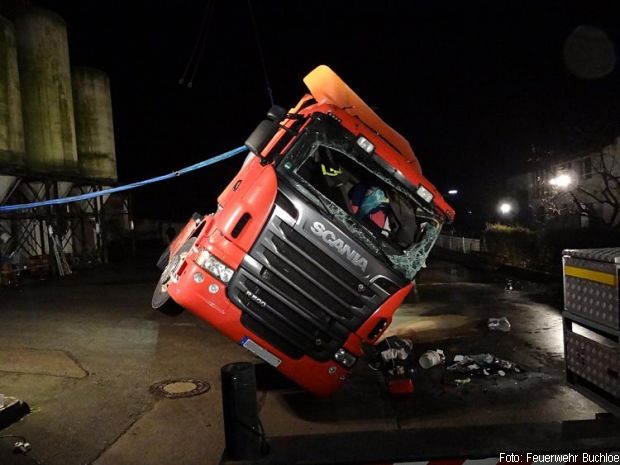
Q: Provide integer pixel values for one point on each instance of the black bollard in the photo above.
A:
(242, 431)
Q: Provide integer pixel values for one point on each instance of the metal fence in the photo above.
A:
(458, 244)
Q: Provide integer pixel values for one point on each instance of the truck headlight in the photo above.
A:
(208, 262)
(426, 195)
(365, 144)
(226, 275)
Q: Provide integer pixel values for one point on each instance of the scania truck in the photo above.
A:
(315, 242)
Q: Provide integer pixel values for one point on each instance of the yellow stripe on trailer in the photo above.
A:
(591, 275)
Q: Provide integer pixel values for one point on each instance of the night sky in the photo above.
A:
(477, 87)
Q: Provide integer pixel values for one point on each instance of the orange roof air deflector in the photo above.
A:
(327, 87)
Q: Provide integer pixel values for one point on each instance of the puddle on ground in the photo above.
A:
(425, 329)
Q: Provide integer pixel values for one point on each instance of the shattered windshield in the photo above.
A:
(348, 185)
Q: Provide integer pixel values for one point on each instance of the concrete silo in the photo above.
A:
(47, 99)
(11, 128)
(93, 123)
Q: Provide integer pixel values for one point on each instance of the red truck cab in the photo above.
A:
(293, 267)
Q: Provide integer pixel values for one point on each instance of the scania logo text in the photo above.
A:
(341, 246)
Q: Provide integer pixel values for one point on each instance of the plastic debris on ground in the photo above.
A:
(22, 447)
(499, 324)
(482, 365)
(432, 358)
(460, 382)
(392, 356)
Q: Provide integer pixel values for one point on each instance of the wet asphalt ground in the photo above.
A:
(84, 351)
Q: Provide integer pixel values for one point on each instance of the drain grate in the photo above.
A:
(179, 388)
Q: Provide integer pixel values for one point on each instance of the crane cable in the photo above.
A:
(260, 52)
(198, 50)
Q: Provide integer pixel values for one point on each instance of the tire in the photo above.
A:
(164, 259)
(161, 300)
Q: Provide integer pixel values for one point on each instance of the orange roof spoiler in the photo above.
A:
(327, 87)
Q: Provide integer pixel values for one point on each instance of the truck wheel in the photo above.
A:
(164, 259)
(161, 299)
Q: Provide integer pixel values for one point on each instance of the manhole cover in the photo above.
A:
(177, 388)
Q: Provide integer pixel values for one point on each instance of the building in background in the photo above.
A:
(581, 191)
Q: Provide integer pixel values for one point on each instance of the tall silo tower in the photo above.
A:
(11, 128)
(93, 123)
(47, 99)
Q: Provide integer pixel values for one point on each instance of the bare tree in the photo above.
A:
(605, 192)
(596, 195)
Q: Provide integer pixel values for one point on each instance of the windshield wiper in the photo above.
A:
(384, 254)
(324, 206)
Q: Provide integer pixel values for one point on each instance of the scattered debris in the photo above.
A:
(392, 356)
(22, 447)
(461, 382)
(499, 324)
(484, 358)
(483, 365)
(479, 358)
(432, 358)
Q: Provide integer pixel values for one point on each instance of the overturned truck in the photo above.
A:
(316, 241)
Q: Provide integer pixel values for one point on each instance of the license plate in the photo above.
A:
(260, 352)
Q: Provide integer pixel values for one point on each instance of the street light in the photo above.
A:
(561, 181)
(505, 208)
(453, 192)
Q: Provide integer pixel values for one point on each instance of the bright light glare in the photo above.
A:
(561, 180)
(505, 208)
(453, 192)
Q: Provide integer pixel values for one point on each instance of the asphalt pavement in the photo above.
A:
(84, 351)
